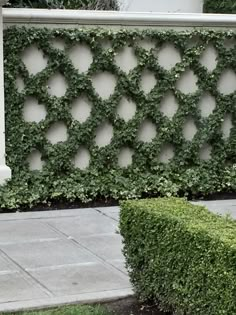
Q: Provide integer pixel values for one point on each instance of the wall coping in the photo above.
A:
(42, 16)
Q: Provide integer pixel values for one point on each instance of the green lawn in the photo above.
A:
(69, 310)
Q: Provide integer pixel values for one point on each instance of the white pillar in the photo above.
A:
(5, 171)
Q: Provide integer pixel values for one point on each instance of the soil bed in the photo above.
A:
(102, 202)
(131, 306)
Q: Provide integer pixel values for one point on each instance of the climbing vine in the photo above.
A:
(186, 173)
(219, 6)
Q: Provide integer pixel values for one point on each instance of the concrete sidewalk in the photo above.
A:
(58, 257)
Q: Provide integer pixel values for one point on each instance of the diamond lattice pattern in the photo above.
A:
(93, 94)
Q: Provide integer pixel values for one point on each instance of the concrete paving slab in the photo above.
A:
(6, 265)
(228, 202)
(24, 231)
(83, 298)
(228, 211)
(93, 224)
(18, 286)
(114, 209)
(112, 212)
(46, 250)
(47, 253)
(85, 278)
(107, 246)
(222, 207)
(119, 264)
(46, 214)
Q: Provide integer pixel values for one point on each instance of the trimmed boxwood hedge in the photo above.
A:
(180, 255)
(220, 6)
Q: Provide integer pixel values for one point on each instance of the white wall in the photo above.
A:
(193, 6)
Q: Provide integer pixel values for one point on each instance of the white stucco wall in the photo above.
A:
(192, 6)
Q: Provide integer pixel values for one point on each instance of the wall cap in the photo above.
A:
(42, 16)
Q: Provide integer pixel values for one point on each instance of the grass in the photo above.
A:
(69, 310)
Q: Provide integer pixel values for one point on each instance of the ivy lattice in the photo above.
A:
(110, 152)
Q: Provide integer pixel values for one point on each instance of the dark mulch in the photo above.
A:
(102, 202)
(131, 306)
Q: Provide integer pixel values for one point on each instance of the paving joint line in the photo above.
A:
(40, 240)
(77, 243)
(100, 211)
(24, 271)
(58, 267)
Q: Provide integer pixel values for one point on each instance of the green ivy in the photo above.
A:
(220, 6)
(185, 174)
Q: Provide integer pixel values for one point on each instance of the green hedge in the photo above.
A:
(220, 6)
(185, 174)
(180, 255)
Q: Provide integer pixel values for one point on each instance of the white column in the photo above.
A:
(5, 171)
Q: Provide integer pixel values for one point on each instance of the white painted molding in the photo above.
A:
(41, 16)
(5, 171)
(5, 174)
